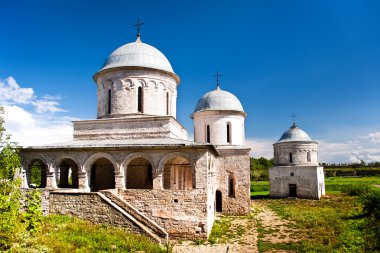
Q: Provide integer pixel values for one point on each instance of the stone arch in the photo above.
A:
(96, 156)
(132, 156)
(101, 169)
(66, 172)
(36, 172)
(178, 171)
(138, 171)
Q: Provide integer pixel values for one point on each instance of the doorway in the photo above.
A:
(293, 190)
(218, 201)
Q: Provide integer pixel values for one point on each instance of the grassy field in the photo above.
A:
(330, 225)
(68, 234)
(260, 189)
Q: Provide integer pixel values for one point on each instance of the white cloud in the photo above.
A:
(351, 151)
(12, 94)
(365, 148)
(375, 137)
(29, 126)
(260, 148)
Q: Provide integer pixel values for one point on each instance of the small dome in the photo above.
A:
(218, 100)
(138, 54)
(294, 134)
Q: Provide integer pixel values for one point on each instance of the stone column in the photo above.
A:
(119, 181)
(82, 181)
(157, 182)
(50, 180)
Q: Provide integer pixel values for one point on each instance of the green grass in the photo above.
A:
(337, 183)
(331, 224)
(68, 234)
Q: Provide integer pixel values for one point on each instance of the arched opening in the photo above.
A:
(290, 157)
(67, 174)
(102, 175)
(308, 156)
(109, 102)
(167, 104)
(218, 201)
(36, 174)
(139, 99)
(228, 126)
(231, 188)
(139, 174)
(208, 134)
(178, 174)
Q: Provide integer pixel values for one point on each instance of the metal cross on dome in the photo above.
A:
(217, 75)
(293, 116)
(138, 24)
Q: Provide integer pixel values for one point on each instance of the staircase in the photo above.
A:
(139, 219)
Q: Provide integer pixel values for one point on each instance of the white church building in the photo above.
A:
(134, 165)
(296, 171)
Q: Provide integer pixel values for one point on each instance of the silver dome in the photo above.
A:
(138, 54)
(294, 134)
(218, 100)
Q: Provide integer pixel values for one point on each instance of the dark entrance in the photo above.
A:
(218, 201)
(102, 175)
(292, 190)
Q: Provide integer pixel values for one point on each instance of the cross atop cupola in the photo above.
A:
(138, 24)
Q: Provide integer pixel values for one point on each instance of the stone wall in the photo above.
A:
(44, 194)
(124, 90)
(299, 152)
(234, 164)
(309, 181)
(183, 214)
(91, 207)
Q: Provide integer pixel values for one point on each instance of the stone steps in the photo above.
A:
(147, 225)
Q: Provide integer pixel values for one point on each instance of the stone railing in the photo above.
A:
(149, 226)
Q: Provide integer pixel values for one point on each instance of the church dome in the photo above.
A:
(294, 134)
(138, 54)
(218, 100)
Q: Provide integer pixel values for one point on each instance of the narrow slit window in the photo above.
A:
(229, 133)
(208, 134)
(167, 103)
(231, 188)
(308, 157)
(290, 157)
(139, 99)
(109, 102)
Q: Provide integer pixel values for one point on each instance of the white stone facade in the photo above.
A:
(118, 93)
(296, 171)
(135, 160)
(225, 127)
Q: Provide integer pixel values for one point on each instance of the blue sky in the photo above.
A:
(317, 59)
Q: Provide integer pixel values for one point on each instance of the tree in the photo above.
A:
(15, 225)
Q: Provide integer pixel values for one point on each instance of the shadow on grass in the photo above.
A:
(260, 196)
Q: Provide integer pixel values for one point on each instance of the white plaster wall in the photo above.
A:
(218, 127)
(308, 179)
(299, 153)
(124, 91)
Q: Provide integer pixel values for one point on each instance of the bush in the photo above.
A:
(356, 189)
(371, 210)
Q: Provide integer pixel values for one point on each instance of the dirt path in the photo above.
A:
(244, 233)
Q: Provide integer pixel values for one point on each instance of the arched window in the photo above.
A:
(308, 156)
(139, 99)
(167, 103)
(231, 188)
(228, 132)
(109, 102)
(290, 157)
(178, 174)
(208, 134)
